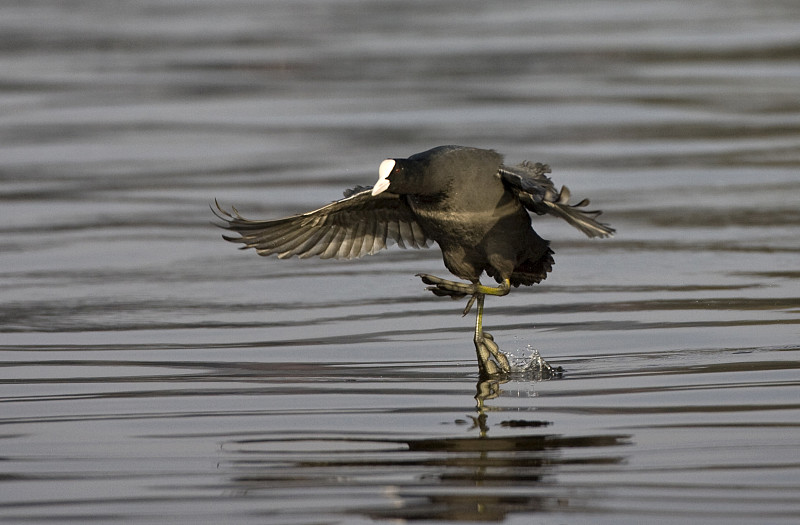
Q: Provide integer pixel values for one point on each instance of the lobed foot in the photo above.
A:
(457, 290)
(490, 359)
(446, 288)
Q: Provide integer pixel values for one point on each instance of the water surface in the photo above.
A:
(151, 373)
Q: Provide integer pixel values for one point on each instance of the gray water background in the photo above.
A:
(151, 373)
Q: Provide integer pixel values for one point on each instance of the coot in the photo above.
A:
(463, 199)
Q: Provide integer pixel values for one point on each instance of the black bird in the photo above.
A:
(464, 199)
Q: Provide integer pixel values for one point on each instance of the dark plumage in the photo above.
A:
(464, 199)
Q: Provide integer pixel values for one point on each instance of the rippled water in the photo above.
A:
(151, 373)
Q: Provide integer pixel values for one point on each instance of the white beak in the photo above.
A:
(384, 170)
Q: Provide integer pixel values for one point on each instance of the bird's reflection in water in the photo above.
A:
(472, 477)
(486, 479)
(483, 478)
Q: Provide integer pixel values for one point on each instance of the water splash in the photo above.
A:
(528, 364)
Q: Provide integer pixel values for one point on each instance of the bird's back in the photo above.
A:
(466, 206)
(479, 224)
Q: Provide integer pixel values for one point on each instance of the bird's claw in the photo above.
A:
(444, 287)
(491, 360)
(469, 304)
(453, 289)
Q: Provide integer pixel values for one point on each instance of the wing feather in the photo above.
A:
(368, 239)
(407, 234)
(382, 230)
(301, 243)
(530, 183)
(357, 225)
(325, 235)
(332, 251)
(393, 233)
(419, 235)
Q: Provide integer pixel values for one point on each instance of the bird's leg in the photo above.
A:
(485, 346)
(491, 361)
(485, 363)
(457, 290)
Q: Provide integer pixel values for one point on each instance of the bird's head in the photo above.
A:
(385, 170)
(404, 177)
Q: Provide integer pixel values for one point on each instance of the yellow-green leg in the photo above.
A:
(485, 346)
(457, 290)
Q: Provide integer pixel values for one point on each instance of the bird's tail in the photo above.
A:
(533, 270)
(584, 220)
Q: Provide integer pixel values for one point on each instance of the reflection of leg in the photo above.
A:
(486, 348)
(487, 389)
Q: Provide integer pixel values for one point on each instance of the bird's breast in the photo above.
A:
(454, 222)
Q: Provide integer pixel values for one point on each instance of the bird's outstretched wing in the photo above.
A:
(530, 183)
(357, 225)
